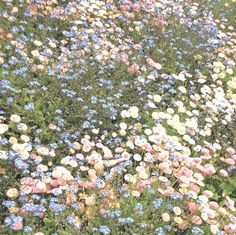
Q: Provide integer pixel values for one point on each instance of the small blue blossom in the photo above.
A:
(27, 229)
(157, 203)
(29, 107)
(104, 230)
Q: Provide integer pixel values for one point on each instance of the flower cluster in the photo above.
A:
(117, 117)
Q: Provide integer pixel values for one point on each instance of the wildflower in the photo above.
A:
(43, 151)
(159, 231)
(90, 201)
(177, 210)
(29, 107)
(223, 173)
(165, 217)
(22, 127)
(178, 220)
(3, 128)
(12, 192)
(229, 203)
(104, 230)
(123, 126)
(196, 219)
(125, 114)
(70, 220)
(15, 118)
(27, 229)
(137, 157)
(38, 43)
(15, 222)
(157, 203)
(133, 112)
(157, 98)
(1, 60)
(197, 230)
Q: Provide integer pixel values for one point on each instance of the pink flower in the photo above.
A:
(229, 203)
(230, 161)
(195, 188)
(160, 21)
(17, 226)
(133, 69)
(91, 184)
(150, 61)
(205, 151)
(84, 141)
(136, 7)
(201, 168)
(124, 58)
(192, 207)
(209, 169)
(164, 76)
(137, 46)
(33, 156)
(208, 193)
(41, 215)
(213, 205)
(230, 151)
(81, 207)
(169, 191)
(196, 219)
(86, 148)
(229, 229)
(191, 131)
(211, 213)
(119, 150)
(36, 190)
(125, 155)
(125, 7)
(26, 189)
(54, 183)
(102, 212)
(212, 222)
(223, 173)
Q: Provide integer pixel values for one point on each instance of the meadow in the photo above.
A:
(117, 117)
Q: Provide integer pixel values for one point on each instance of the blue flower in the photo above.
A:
(58, 208)
(70, 220)
(35, 209)
(8, 204)
(168, 227)
(104, 230)
(157, 203)
(127, 220)
(138, 207)
(159, 231)
(29, 107)
(27, 229)
(9, 100)
(197, 230)
(176, 196)
(12, 219)
(142, 225)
